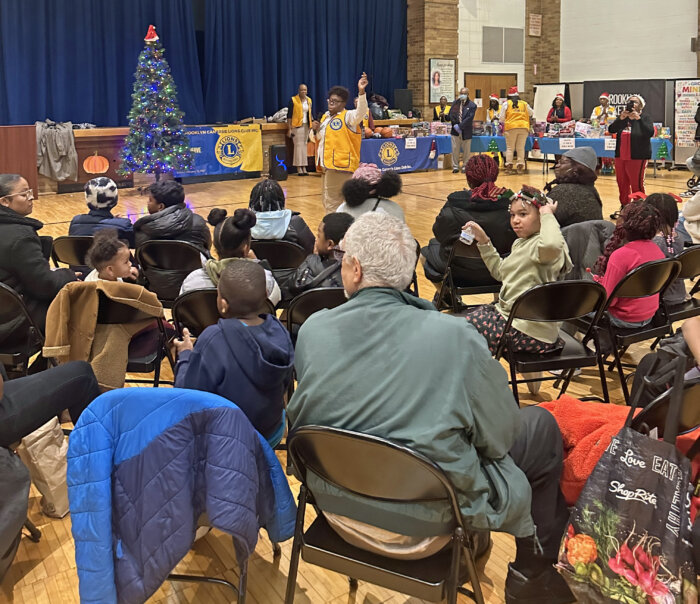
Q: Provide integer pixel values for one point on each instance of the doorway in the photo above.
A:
(481, 85)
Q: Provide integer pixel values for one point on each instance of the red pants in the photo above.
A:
(630, 177)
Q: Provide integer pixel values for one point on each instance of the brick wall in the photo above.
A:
(543, 51)
(431, 32)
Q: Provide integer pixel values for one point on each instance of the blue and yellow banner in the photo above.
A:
(392, 154)
(224, 149)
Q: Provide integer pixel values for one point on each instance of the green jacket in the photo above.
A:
(388, 364)
(540, 258)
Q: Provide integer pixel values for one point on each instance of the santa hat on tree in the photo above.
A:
(151, 35)
(513, 91)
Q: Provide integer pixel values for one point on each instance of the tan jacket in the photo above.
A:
(73, 334)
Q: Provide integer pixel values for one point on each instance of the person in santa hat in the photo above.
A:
(516, 116)
(605, 113)
(559, 112)
(494, 108)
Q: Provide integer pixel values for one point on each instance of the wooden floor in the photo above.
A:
(45, 572)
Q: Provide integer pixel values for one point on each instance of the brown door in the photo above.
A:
(481, 85)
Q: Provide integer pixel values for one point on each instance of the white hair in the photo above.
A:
(385, 249)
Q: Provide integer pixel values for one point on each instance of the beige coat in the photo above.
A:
(73, 333)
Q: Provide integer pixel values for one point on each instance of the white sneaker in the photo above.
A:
(563, 372)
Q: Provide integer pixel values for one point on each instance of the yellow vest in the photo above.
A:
(341, 146)
(492, 114)
(298, 111)
(447, 112)
(517, 117)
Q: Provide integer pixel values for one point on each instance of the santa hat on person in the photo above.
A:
(513, 91)
(642, 102)
(604, 95)
(493, 97)
(559, 95)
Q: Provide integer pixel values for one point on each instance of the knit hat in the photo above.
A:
(513, 91)
(370, 173)
(604, 95)
(640, 97)
(493, 97)
(101, 193)
(560, 95)
(583, 155)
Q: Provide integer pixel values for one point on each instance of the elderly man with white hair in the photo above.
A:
(388, 364)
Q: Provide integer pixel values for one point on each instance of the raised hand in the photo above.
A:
(362, 84)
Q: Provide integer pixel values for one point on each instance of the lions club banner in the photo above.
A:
(224, 149)
(396, 154)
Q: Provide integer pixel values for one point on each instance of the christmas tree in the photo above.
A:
(493, 146)
(156, 143)
(662, 152)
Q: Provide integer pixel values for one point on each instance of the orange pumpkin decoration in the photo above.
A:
(368, 133)
(387, 132)
(378, 130)
(96, 164)
(581, 548)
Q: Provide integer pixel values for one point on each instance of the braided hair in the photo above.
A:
(266, 196)
(667, 206)
(639, 220)
(482, 171)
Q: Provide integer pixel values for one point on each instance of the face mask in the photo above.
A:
(462, 97)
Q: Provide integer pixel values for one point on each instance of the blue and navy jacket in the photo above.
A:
(86, 225)
(143, 465)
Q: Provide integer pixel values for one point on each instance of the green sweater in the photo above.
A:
(540, 258)
(388, 364)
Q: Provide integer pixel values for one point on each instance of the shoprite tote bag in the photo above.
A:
(629, 536)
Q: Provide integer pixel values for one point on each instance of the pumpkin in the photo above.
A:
(387, 132)
(378, 130)
(368, 133)
(96, 164)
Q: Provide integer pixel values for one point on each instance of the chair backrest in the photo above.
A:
(71, 250)
(370, 466)
(559, 301)
(460, 249)
(690, 263)
(278, 253)
(646, 280)
(15, 316)
(111, 312)
(167, 255)
(311, 301)
(196, 310)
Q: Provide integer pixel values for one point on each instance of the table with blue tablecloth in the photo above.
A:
(480, 144)
(392, 154)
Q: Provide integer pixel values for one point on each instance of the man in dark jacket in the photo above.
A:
(169, 218)
(23, 266)
(246, 357)
(101, 195)
(461, 115)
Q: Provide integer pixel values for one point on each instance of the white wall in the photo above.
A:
(627, 39)
(475, 14)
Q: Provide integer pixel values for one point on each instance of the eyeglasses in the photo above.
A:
(338, 254)
(28, 194)
(335, 101)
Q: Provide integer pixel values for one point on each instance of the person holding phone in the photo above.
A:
(634, 130)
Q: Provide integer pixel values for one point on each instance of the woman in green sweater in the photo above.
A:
(539, 255)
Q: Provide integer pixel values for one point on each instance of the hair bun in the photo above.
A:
(217, 216)
(244, 219)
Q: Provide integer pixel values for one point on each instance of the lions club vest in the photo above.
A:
(517, 117)
(341, 146)
(298, 111)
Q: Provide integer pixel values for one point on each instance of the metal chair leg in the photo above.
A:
(514, 384)
(243, 583)
(296, 548)
(34, 533)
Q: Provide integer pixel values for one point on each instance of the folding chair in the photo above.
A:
(71, 250)
(26, 337)
(279, 254)
(448, 286)
(377, 469)
(558, 301)
(166, 264)
(690, 269)
(307, 303)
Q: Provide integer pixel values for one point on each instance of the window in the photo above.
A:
(502, 45)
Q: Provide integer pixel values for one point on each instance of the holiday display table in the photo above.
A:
(485, 144)
(397, 153)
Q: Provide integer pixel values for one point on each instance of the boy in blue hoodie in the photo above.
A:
(247, 357)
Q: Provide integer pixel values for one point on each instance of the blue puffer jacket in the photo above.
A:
(85, 225)
(143, 464)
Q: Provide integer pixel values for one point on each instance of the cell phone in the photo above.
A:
(629, 106)
(467, 235)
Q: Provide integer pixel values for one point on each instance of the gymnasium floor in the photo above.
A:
(45, 572)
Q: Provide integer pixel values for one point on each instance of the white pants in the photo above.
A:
(516, 139)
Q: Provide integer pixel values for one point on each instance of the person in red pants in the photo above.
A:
(634, 130)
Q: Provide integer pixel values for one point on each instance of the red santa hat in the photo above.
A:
(493, 97)
(604, 95)
(513, 91)
(560, 95)
(151, 35)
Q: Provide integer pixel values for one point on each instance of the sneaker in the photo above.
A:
(548, 587)
(563, 372)
(455, 170)
(520, 169)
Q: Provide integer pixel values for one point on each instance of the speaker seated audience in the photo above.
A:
(170, 219)
(505, 462)
(669, 240)
(322, 268)
(539, 255)
(630, 246)
(232, 236)
(483, 203)
(27, 403)
(246, 357)
(109, 258)
(573, 187)
(101, 195)
(23, 265)
(368, 191)
(274, 221)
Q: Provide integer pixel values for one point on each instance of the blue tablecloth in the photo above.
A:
(444, 143)
(550, 146)
(391, 154)
(480, 144)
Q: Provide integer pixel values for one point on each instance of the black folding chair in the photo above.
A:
(279, 254)
(71, 250)
(558, 301)
(24, 340)
(307, 303)
(690, 269)
(111, 312)
(649, 279)
(382, 471)
(166, 264)
(449, 287)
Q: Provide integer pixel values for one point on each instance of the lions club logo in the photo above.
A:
(336, 124)
(389, 153)
(229, 151)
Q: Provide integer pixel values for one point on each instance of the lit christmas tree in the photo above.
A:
(662, 152)
(156, 143)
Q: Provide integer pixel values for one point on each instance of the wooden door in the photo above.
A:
(481, 85)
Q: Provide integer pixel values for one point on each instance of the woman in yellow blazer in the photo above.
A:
(299, 118)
